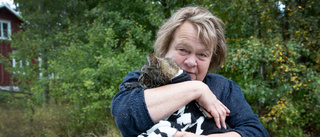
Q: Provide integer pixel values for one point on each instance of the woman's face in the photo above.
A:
(189, 52)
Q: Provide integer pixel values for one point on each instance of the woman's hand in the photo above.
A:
(165, 100)
(210, 103)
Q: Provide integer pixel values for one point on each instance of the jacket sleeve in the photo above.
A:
(129, 109)
(241, 118)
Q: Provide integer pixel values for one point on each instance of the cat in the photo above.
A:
(192, 117)
(156, 72)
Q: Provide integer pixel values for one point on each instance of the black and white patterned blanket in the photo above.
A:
(189, 118)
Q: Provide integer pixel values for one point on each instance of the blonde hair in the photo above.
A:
(209, 28)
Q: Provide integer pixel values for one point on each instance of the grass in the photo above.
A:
(18, 120)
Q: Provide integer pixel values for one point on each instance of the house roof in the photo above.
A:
(11, 10)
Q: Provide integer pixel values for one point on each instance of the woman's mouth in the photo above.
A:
(191, 73)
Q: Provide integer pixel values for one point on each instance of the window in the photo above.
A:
(18, 65)
(5, 29)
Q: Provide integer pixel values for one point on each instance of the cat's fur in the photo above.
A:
(156, 72)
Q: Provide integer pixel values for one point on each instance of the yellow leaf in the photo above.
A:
(293, 78)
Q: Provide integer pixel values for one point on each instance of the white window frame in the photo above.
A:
(40, 69)
(1, 29)
(18, 63)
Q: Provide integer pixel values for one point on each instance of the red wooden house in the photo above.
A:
(9, 24)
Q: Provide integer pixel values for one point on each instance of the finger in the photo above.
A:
(216, 119)
(223, 114)
(223, 122)
(226, 111)
(225, 108)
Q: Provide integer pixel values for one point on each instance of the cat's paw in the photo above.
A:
(131, 86)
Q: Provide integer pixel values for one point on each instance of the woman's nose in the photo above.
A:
(191, 61)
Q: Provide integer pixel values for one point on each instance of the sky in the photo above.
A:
(10, 2)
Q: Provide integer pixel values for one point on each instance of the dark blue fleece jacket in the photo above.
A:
(132, 117)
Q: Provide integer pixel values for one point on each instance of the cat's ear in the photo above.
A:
(152, 60)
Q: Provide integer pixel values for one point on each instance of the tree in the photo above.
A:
(272, 56)
(80, 52)
(76, 52)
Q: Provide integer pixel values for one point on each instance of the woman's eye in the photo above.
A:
(202, 55)
(182, 50)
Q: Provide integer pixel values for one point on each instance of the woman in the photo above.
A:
(193, 38)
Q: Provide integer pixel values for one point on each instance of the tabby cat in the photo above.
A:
(156, 72)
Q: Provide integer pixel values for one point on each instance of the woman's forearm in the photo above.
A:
(163, 101)
(228, 134)
(189, 134)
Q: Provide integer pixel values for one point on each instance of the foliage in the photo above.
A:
(77, 52)
(80, 64)
(273, 57)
